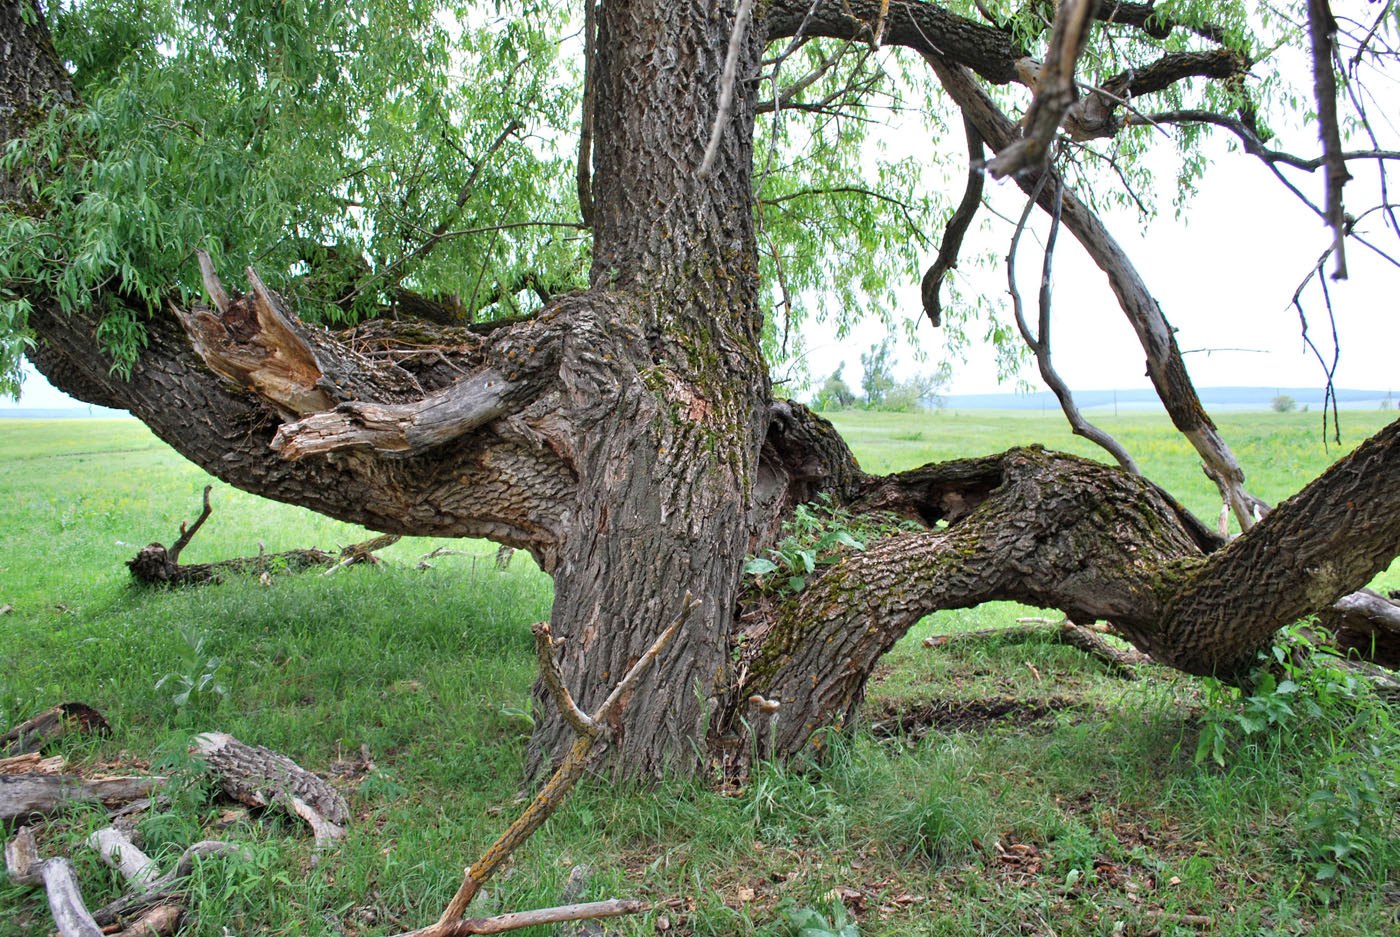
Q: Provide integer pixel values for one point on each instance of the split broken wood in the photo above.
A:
(152, 909)
(159, 566)
(592, 730)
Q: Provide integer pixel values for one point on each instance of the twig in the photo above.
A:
(1039, 342)
(555, 789)
(726, 87)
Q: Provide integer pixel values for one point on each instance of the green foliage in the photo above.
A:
(1283, 404)
(877, 380)
(835, 394)
(817, 534)
(270, 133)
(811, 922)
(197, 679)
(1298, 697)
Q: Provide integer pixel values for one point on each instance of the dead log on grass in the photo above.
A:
(158, 566)
(164, 891)
(260, 777)
(31, 795)
(51, 725)
(1120, 663)
(24, 866)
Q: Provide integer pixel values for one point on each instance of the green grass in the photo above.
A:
(1095, 819)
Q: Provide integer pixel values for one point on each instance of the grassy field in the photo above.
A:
(1033, 793)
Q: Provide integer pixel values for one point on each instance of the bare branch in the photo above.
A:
(1322, 29)
(585, 136)
(1055, 91)
(1039, 342)
(953, 234)
(187, 535)
(557, 787)
(726, 87)
(549, 672)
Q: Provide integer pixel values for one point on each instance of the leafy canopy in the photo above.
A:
(324, 143)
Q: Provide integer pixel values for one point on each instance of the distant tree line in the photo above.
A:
(879, 389)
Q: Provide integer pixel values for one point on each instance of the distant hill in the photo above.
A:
(1214, 398)
(61, 413)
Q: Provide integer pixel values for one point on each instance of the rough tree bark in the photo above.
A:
(627, 435)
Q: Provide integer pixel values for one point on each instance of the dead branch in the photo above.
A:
(1119, 663)
(50, 725)
(726, 84)
(186, 535)
(260, 777)
(24, 866)
(1055, 91)
(32, 763)
(1322, 31)
(501, 923)
(953, 234)
(155, 565)
(30, 795)
(166, 889)
(592, 729)
(119, 852)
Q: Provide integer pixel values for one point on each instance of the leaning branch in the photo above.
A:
(1322, 31)
(947, 259)
(1165, 366)
(1055, 91)
(591, 732)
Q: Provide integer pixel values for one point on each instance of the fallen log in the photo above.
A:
(260, 777)
(24, 866)
(156, 565)
(1120, 663)
(166, 889)
(51, 725)
(29, 795)
(119, 852)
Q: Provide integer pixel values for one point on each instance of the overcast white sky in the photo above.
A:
(1225, 276)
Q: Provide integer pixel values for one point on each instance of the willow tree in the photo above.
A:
(504, 287)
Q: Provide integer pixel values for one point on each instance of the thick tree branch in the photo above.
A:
(1322, 31)
(920, 26)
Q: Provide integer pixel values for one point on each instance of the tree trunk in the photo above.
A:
(664, 386)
